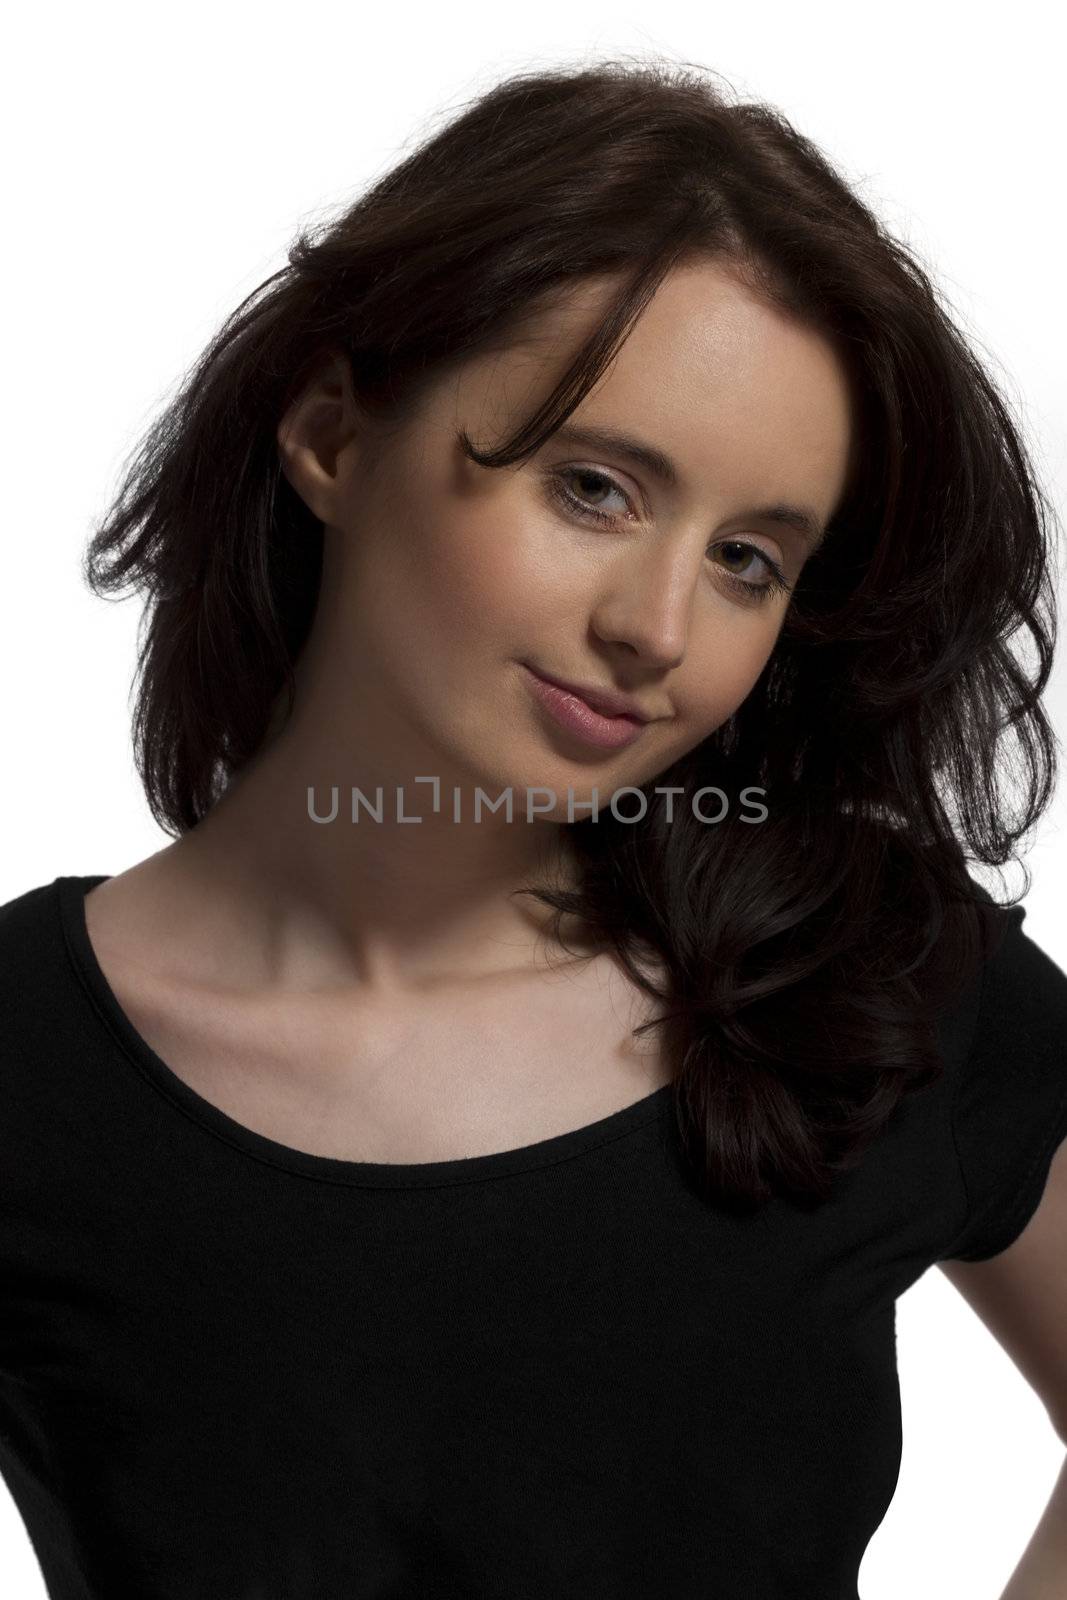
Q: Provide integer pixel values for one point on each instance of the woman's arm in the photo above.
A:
(1042, 1570)
(1021, 1296)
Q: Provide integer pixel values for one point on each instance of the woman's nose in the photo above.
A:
(647, 603)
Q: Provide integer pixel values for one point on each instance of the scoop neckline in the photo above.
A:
(70, 892)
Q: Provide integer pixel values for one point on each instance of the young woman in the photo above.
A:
(480, 1155)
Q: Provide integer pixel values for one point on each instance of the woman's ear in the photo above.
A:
(319, 435)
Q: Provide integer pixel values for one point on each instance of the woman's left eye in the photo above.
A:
(578, 504)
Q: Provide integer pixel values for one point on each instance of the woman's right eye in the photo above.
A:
(579, 503)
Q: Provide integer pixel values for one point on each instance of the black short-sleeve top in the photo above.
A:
(234, 1370)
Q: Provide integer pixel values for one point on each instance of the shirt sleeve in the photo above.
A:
(1009, 1102)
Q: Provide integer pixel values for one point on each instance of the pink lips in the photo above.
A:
(577, 716)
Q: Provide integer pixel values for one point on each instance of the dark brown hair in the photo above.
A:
(802, 953)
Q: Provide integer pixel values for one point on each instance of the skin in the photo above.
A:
(440, 578)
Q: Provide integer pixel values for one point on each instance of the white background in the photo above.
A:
(158, 161)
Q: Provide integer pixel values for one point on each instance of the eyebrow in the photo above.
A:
(642, 454)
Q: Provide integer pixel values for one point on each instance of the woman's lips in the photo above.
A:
(570, 711)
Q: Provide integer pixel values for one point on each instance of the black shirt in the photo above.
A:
(231, 1370)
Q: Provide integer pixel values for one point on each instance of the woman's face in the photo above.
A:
(448, 582)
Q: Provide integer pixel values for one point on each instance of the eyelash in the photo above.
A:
(562, 495)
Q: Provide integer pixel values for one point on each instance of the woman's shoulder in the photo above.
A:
(25, 903)
(34, 925)
(35, 907)
(1009, 1085)
(25, 918)
(957, 925)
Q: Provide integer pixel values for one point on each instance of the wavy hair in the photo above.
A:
(894, 728)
